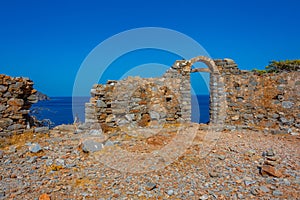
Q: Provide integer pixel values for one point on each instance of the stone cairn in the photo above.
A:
(16, 96)
(270, 164)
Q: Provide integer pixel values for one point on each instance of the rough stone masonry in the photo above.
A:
(16, 97)
(142, 101)
(238, 99)
(268, 102)
(153, 101)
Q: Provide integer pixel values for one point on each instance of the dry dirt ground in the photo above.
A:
(189, 162)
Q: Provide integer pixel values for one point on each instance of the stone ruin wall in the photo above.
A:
(269, 102)
(142, 102)
(238, 99)
(16, 97)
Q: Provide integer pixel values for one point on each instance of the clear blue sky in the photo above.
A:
(48, 40)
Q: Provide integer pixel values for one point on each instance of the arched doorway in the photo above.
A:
(217, 107)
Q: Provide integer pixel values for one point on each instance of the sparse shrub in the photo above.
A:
(279, 66)
(286, 66)
(260, 72)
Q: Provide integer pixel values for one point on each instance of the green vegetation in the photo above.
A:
(287, 65)
(280, 66)
(260, 72)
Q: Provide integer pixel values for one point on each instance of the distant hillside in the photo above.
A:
(41, 96)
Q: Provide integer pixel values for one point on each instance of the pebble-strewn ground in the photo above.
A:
(240, 165)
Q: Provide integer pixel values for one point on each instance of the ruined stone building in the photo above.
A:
(238, 99)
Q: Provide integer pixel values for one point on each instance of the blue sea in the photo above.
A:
(59, 110)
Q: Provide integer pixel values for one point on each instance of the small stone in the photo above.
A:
(239, 181)
(233, 149)
(12, 149)
(249, 182)
(239, 169)
(34, 148)
(95, 132)
(3, 88)
(116, 195)
(204, 197)
(129, 117)
(235, 118)
(221, 157)
(91, 146)
(264, 189)
(250, 153)
(49, 162)
(170, 192)
(240, 196)
(295, 133)
(28, 143)
(254, 191)
(286, 182)
(1, 154)
(150, 186)
(15, 102)
(213, 174)
(101, 104)
(13, 176)
(272, 163)
(44, 197)
(43, 129)
(191, 193)
(14, 127)
(287, 104)
(154, 115)
(273, 158)
(109, 143)
(270, 152)
(78, 131)
(60, 162)
(32, 159)
(122, 122)
(47, 148)
(270, 170)
(71, 165)
(277, 193)
(32, 98)
(8, 161)
(84, 126)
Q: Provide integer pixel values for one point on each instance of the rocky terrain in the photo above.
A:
(64, 163)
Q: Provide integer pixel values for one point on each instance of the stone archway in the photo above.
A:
(109, 102)
(217, 91)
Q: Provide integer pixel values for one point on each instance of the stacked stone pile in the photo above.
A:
(16, 97)
(270, 164)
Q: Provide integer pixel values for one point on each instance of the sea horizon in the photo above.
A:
(63, 109)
